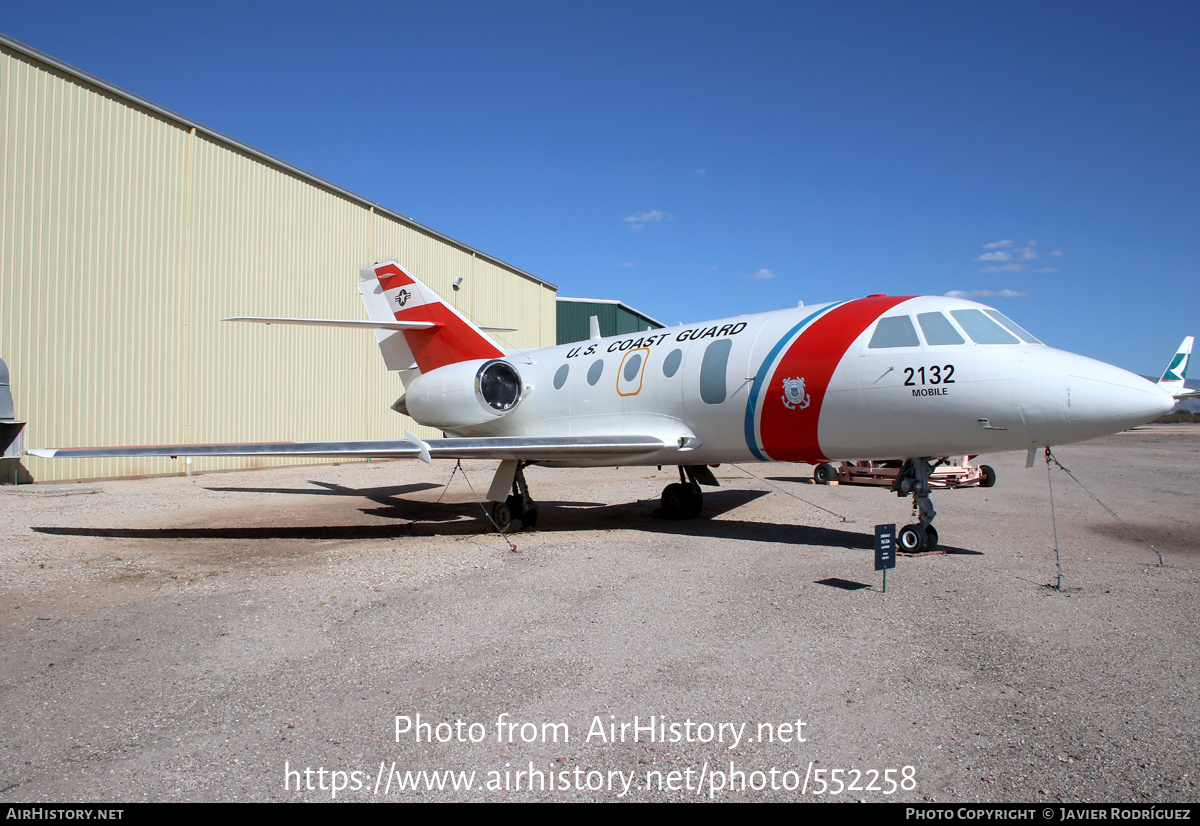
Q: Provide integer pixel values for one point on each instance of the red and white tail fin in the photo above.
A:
(391, 294)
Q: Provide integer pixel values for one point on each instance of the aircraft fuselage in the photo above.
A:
(882, 377)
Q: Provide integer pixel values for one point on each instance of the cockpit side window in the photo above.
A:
(894, 331)
(1013, 327)
(982, 329)
(938, 329)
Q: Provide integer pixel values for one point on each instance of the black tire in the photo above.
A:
(824, 474)
(681, 501)
(931, 539)
(504, 517)
(989, 476)
(674, 501)
(911, 539)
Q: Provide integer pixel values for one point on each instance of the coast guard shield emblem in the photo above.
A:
(793, 394)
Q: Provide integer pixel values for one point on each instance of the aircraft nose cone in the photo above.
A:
(1089, 399)
(1109, 399)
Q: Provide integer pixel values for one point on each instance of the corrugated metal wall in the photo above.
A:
(126, 235)
(574, 320)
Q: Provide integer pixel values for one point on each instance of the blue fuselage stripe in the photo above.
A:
(761, 377)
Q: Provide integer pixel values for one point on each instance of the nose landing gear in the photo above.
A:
(913, 479)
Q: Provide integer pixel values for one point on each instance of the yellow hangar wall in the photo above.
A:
(128, 233)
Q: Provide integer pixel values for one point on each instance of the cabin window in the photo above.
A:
(712, 371)
(595, 371)
(632, 365)
(982, 329)
(938, 329)
(672, 362)
(895, 331)
(560, 378)
(1012, 327)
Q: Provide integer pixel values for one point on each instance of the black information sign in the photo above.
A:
(885, 547)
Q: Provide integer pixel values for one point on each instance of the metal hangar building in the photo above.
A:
(614, 317)
(127, 232)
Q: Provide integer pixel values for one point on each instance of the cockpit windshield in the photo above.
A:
(1012, 327)
(982, 329)
(982, 326)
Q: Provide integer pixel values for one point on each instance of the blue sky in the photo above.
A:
(698, 160)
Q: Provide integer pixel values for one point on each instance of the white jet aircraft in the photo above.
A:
(906, 378)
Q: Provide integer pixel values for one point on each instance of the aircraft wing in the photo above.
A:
(499, 447)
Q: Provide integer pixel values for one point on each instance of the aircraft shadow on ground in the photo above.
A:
(384, 496)
(419, 517)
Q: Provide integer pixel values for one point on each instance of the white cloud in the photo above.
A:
(699, 171)
(987, 294)
(628, 264)
(640, 219)
(763, 273)
(1014, 256)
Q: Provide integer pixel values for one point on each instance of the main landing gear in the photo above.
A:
(518, 511)
(922, 537)
(683, 500)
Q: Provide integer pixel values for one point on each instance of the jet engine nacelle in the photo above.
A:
(464, 394)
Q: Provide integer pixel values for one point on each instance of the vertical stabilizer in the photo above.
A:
(1173, 379)
(391, 294)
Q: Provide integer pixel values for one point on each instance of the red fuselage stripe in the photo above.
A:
(789, 434)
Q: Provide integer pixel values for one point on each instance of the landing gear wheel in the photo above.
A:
(824, 474)
(504, 515)
(681, 501)
(527, 520)
(989, 476)
(674, 498)
(912, 539)
(931, 539)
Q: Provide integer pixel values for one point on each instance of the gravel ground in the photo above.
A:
(214, 637)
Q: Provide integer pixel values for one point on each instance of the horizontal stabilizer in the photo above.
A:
(339, 322)
(562, 448)
(366, 325)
